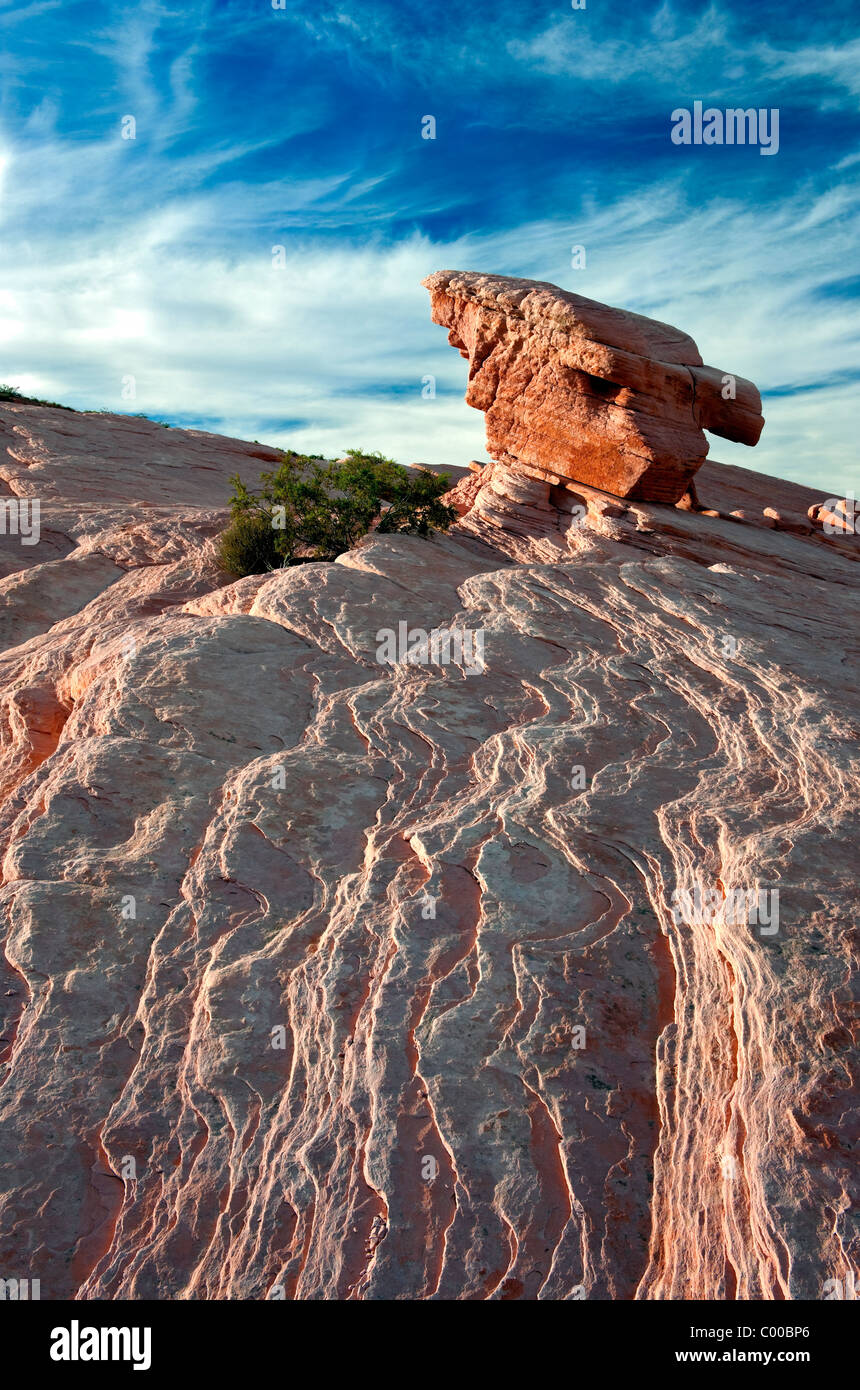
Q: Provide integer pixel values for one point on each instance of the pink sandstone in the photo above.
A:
(223, 817)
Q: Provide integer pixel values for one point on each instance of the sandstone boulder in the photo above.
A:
(585, 391)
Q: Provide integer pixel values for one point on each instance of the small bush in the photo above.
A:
(316, 510)
(416, 505)
(248, 546)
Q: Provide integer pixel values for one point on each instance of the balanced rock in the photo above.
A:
(585, 391)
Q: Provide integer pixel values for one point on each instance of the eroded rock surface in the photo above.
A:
(596, 394)
(344, 980)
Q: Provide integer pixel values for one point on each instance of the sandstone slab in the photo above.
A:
(329, 978)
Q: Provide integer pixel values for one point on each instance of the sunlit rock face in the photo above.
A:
(589, 392)
(330, 977)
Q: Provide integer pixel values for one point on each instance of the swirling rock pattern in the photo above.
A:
(600, 395)
(327, 978)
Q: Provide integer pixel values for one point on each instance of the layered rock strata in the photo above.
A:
(330, 978)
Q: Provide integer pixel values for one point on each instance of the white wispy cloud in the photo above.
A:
(707, 55)
(571, 46)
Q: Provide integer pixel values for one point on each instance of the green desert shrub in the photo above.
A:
(312, 509)
(416, 504)
(248, 546)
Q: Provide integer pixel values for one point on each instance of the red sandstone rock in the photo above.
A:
(278, 805)
(580, 389)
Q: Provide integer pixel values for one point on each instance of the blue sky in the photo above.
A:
(301, 127)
